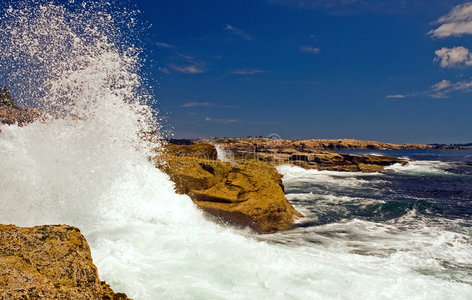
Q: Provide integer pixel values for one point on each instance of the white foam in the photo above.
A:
(224, 155)
(421, 168)
(294, 175)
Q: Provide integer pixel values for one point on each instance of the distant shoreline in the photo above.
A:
(320, 144)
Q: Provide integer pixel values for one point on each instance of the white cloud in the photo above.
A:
(444, 88)
(186, 57)
(231, 121)
(247, 71)
(188, 69)
(456, 23)
(441, 85)
(310, 49)
(205, 104)
(197, 104)
(238, 32)
(164, 45)
(220, 121)
(463, 86)
(440, 90)
(396, 96)
(453, 57)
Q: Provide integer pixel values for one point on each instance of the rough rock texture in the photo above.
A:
(48, 262)
(249, 194)
(206, 151)
(12, 114)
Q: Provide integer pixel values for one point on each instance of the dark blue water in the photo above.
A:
(434, 183)
(421, 211)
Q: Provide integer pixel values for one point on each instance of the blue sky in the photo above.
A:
(396, 71)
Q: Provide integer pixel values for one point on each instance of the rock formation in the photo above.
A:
(248, 194)
(263, 144)
(49, 262)
(12, 114)
(319, 159)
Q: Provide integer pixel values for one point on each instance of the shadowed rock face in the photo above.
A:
(49, 262)
(249, 194)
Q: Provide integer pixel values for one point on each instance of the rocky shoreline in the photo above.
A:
(244, 190)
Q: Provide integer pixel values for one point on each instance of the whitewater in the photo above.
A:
(86, 163)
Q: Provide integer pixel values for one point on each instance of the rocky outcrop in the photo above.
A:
(49, 262)
(322, 160)
(308, 156)
(247, 194)
(333, 161)
(16, 115)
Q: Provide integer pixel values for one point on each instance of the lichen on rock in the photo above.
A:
(244, 194)
(49, 262)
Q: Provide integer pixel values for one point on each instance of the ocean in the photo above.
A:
(420, 212)
(404, 234)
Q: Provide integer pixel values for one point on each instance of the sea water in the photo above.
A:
(86, 163)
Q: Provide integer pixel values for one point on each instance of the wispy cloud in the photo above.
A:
(164, 45)
(195, 68)
(440, 90)
(310, 49)
(441, 85)
(247, 71)
(197, 104)
(453, 57)
(444, 88)
(186, 57)
(220, 121)
(238, 32)
(231, 121)
(457, 22)
(206, 104)
(396, 96)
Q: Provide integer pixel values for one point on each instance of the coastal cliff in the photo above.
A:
(49, 262)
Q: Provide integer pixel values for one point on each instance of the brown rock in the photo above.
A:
(11, 115)
(310, 154)
(48, 262)
(251, 195)
(206, 151)
(244, 194)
